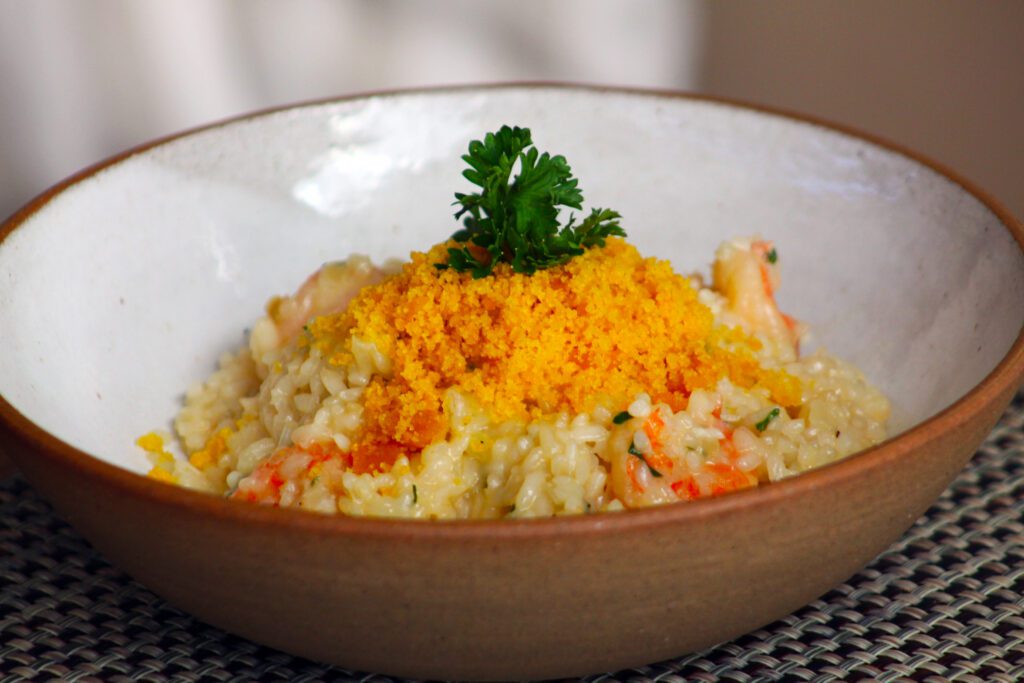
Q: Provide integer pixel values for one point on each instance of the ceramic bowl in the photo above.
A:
(122, 285)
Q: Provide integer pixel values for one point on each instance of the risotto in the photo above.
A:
(601, 382)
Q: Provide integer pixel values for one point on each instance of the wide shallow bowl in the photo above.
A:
(122, 285)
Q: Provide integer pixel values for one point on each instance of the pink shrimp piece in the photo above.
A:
(328, 290)
(282, 477)
(746, 273)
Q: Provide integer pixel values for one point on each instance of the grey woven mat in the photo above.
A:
(944, 603)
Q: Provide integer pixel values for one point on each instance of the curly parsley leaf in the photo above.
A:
(516, 219)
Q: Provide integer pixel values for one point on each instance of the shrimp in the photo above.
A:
(647, 475)
(287, 475)
(638, 482)
(746, 274)
(641, 477)
(283, 477)
(328, 290)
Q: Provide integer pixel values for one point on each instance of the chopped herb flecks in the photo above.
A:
(763, 424)
(415, 495)
(622, 417)
(634, 451)
(772, 256)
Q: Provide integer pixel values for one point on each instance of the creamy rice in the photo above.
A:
(273, 425)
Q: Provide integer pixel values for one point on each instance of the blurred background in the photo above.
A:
(82, 79)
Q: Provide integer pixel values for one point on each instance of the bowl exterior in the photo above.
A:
(528, 603)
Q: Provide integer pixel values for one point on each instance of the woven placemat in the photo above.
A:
(943, 604)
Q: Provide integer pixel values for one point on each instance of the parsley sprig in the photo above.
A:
(517, 221)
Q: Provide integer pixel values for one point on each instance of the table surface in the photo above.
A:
(944, 603)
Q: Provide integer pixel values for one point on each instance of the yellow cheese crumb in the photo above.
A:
(604, 326)
(211, 451)
(200, 459)
(151, 443)
(160, 474)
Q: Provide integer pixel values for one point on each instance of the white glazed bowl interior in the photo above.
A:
(124, 289)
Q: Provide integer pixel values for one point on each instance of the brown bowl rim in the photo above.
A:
(1006, 375)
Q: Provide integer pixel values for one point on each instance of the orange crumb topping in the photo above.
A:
(605, 326)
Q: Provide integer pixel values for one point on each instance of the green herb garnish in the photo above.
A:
(415, 495)
(772, 256)
(763, 424)
(622, 417)
(517, 221)
(634, 451)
